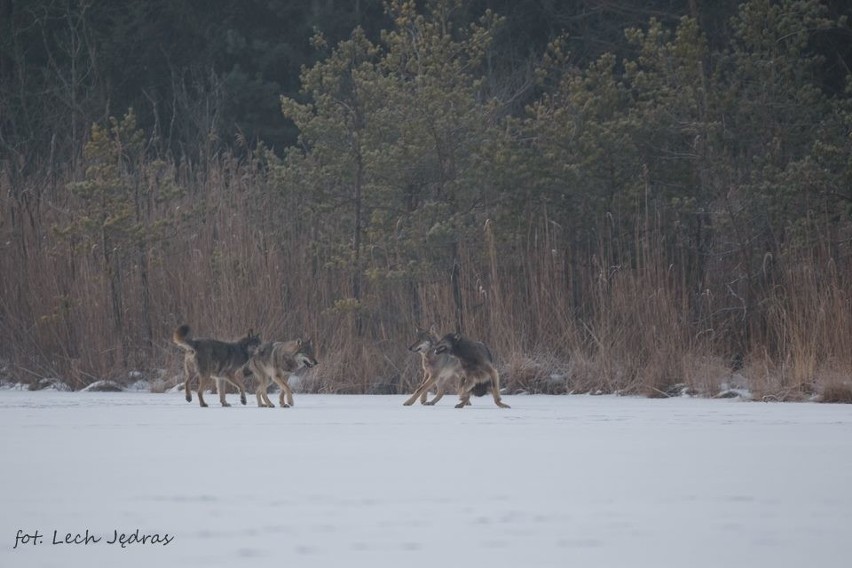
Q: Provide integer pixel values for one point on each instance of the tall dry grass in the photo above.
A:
(626, 316)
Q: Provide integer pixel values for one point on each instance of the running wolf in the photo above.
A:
(213, 358)
(477, 366)
(438, 369)
(276, 360)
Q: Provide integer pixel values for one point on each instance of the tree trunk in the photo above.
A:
(455, 282)
(356, 237)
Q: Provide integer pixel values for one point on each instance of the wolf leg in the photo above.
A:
(441, 384)
(495, 388)
(281, 380)
(267, 402)
(258, 388)
(424, 387)
(438, 396)
(222, 388)
(425, 395)
(466, 384)
(464, 400)
(286, 382)
(187, 375)
(262, 387)
(235, 380)
(202, 384)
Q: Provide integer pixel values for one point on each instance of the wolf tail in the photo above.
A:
(480, 389)
(181, 337)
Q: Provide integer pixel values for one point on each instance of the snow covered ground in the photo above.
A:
(569, 481)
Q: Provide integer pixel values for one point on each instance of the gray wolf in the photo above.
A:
(438, 368)
(217, 359)
(276, 360)
(478, 372)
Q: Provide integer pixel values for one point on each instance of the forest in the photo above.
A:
(649, 198)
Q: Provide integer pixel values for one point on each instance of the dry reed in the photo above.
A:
(624, 317)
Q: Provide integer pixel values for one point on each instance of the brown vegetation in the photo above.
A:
(557, 323)
(653, 225)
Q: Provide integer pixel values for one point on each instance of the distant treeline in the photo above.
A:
(206, 75)
(616, 196)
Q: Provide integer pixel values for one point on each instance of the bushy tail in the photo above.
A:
(181, 337)
(480, 389)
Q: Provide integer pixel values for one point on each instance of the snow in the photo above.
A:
(103, 386)
(337, 480)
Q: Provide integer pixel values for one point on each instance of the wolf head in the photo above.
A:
(250, 342)
(423, 342)
(449, 343)
(305, 353)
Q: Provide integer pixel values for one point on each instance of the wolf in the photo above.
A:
(213, 358)
(276, 360)
(478, 372)
(438, 369)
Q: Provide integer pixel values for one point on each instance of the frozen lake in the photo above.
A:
(363, 481)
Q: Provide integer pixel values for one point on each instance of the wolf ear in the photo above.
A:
(432, 329)
(457, 336)
(299, 342)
